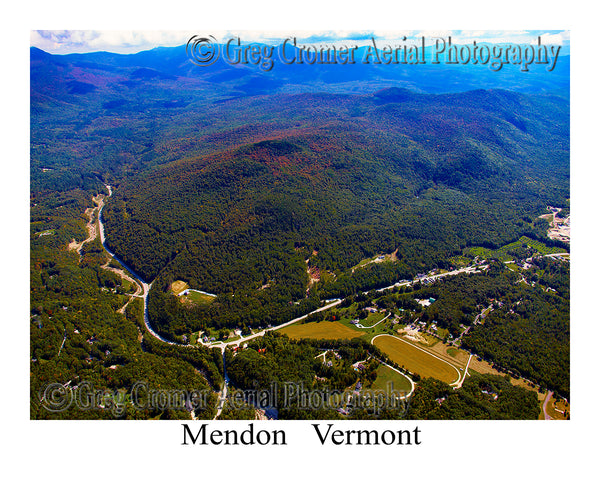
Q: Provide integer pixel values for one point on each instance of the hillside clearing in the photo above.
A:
(320, 330)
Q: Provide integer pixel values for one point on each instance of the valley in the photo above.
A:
(222, 232)
(414, 356)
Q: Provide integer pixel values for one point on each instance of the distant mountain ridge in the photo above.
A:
(174, 62)
(231, 178)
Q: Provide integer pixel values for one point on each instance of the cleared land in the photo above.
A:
(453, 352)
(199, 298)
(386, 376)
(191, 296)
(388, 257)
(320, 330)
(481, 366)
(558, 409)
(416, 360)
(456, 356)
(372, 319)
(502, 252)
(178, 286)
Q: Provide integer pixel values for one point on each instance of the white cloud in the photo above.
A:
(63, 41)
(121, 41)
(509, 36)
(434, 33)
(561, 38)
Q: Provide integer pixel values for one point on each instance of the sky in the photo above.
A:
(121, 41)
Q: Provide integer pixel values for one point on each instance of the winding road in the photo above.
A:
(144, 289)
(546, 400)
(237, 343)
(223, 392)
(359, 325)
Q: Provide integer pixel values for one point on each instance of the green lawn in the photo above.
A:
(460, 261)
(369, 333)
(363, 262)
(453, 352)
(128, 287)
(200, 298)
(372, 319)
(390, 379)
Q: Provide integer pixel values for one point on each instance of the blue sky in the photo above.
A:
(80, 41)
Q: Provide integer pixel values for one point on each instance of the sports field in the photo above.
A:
(178, 286)
(320, 330)
(416, 360)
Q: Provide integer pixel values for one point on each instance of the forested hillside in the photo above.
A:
(426, 175)
(79, 339)
(269, 192)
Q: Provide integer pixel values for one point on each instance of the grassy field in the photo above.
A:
(388, 257)
(386, 376)
(368, 333)
(320, 330)
(200, 298)
(554, 406)
(481, 366)
(453, 352)
(372, 319)
(192, 296)
(540, 247)
(416, 360)
(128, 287)
(502, 252)
(363, 262)
(460, 261)
(430, 339)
